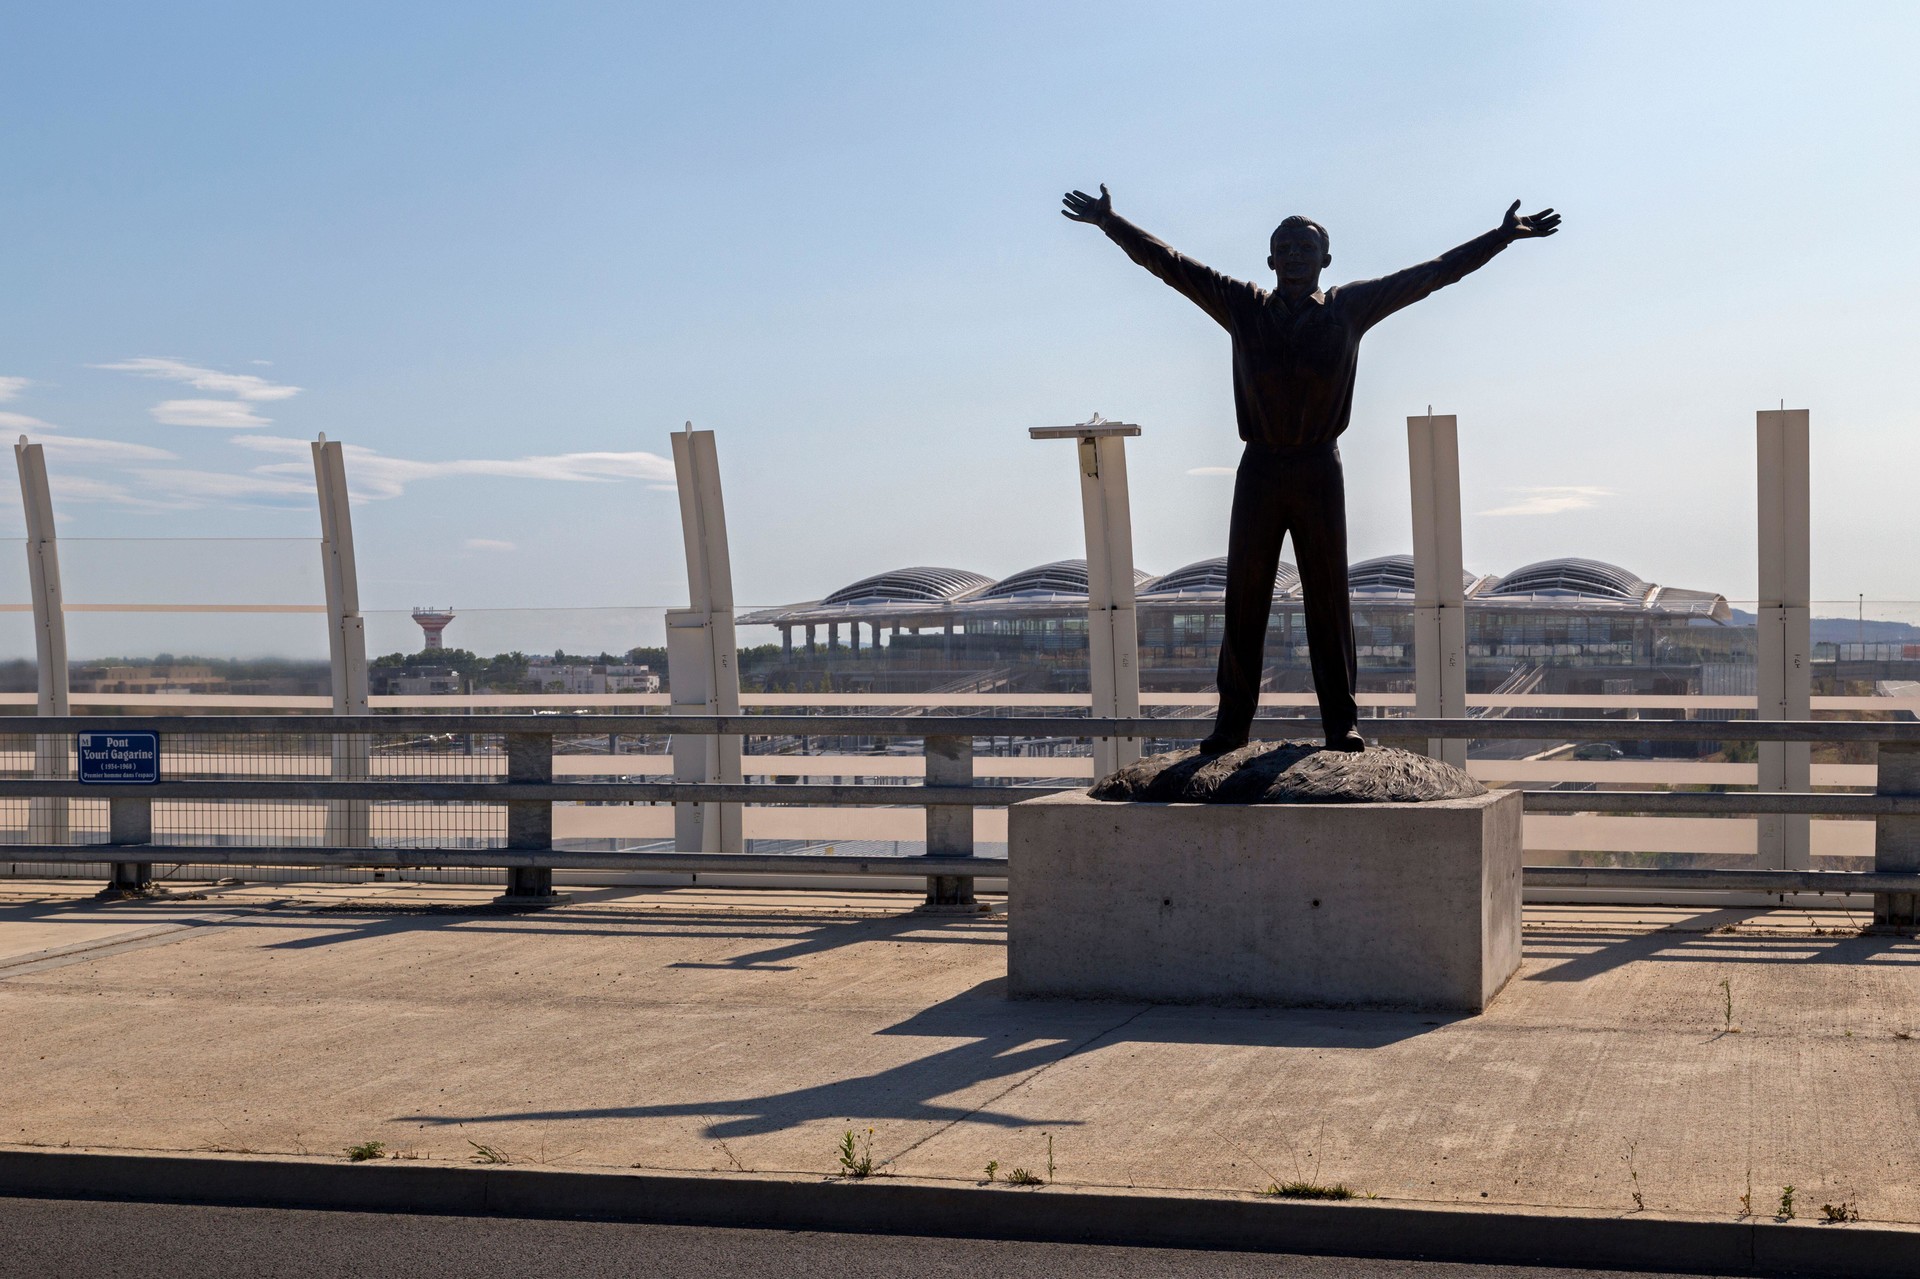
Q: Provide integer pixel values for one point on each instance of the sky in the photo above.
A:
(502, 251)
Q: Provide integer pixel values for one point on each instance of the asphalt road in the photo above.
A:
(67, 1239)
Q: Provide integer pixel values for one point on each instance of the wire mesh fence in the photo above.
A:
(294, 756)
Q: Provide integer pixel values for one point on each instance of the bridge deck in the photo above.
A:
(688, 1029)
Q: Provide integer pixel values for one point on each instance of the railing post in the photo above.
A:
(129, 823)
(949, 826)
(1896, 840)
(1785, 675)
(46, 818)
(1439, 597)
(1113, 624)
(703, 671)
(349, 821)
(530, 822)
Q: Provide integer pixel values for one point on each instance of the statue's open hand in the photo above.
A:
(1082, 207)
(1545, 222)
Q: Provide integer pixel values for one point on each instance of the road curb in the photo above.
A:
(1055, 1214)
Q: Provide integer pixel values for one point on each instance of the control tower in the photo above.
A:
(434, 622)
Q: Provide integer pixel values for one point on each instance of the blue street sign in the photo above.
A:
(120, 757)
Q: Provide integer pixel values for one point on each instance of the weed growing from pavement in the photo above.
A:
(1726, 989)
(366, 1150)
(1845, 1210)
(486, 1154)
(1308, 1190)
(1746, 1200)
(1786, 1204)
(1021, 1177)
(993, 1170)
(1633, 1176)
(856, 1160)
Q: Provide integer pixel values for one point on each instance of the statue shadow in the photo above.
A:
(1002, 1045)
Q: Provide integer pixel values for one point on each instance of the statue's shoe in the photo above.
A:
(1222, 743)
(1349, 741)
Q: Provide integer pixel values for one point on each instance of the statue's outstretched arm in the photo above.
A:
(1206, 288)
(1372, 301)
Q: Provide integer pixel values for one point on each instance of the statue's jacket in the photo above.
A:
(1293, 364)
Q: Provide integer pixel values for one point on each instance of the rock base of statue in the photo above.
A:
(1288, 773)
(1411, 904)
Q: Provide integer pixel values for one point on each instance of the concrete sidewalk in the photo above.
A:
(709, 1030)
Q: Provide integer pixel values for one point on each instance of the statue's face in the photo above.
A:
(1298, 257)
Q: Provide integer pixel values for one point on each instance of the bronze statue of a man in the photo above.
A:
(1294, 353)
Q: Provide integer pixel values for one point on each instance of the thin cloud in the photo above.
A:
(21, 422)
(78, 448)
(229, 414)
(12, 386)
(487, 544)
(373, 475)
(1552, 499)
(198, 487)
(1210, 470)
(243, 386)
(77, 489)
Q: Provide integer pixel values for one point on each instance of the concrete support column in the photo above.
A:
(811, 646)
(349, 821)
(949, 826)
(1113, 629)
(1439, 598)
(1785, 676)
(1896, 840)
(833, 637)
(46, 817)
(702, 661)
(530, 822)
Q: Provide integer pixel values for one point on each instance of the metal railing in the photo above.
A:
(338, 784)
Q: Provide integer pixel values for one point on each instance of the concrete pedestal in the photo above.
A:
(1367, 905)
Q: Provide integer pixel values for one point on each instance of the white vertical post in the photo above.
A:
(1439, 598)
(46, 817)
(1785, 677)
(1113, 628)
(349, 822)
(703, 671)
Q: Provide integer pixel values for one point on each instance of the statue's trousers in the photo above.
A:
(1275, 494)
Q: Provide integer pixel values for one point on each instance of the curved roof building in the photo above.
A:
(1596, 584)
(912, 598)
(914, 586)
(1060, 580)
(1207, 579)
(1574, 577)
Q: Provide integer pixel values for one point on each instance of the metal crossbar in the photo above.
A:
(1387, 728)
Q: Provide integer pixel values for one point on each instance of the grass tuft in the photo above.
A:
(1309, 1190)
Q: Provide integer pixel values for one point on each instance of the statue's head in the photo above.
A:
(1298, 252)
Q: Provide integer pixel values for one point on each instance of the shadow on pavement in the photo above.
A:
(1010, 1040)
